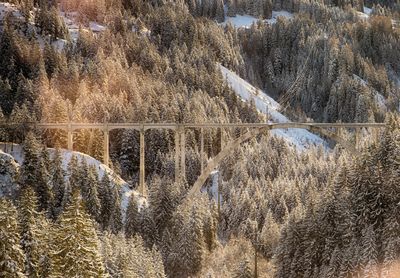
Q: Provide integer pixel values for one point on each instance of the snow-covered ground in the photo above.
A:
(212, 190)
(71, 21)
(300, 138)
(365, 13)
(17, 153)
(245, 21)
(6, 8)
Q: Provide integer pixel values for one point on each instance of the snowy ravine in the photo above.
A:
(17, 153)
(300, 138)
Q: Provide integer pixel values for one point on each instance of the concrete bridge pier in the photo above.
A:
(177, 155)
(70, 138)
(142, 183)
(106, 147)
(357, 138)
(202, 159)
(183, 154)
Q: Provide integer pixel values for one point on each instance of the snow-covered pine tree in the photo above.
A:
(74, 175)
(42, 187)
(11, 256)
(33, 231)
(132, 222)
(116, 216)
(192, 244)
(58, 182)
(148, 227)
(243, 270)
(90, 194)
(106, 202)
(29, 176)
(163, 198)
(76, 251)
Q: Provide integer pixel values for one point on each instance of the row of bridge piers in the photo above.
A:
(180, 139)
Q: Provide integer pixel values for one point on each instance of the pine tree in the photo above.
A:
(106, 202)
(116, 216)
(42, 187)
(148, 227)
(29, 176)
(132, 224)
(33, 232)
(243, 270)
(74, 175)
(76, 251)
(11, 256)
(58, 181)
(90, 193)
(192, 244)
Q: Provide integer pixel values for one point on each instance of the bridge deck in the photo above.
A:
(173, 126)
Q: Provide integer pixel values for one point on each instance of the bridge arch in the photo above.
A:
(234, 144)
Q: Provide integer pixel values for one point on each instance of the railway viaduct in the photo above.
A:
(248, 131)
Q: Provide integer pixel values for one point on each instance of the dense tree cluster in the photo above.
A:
(354, 229)
(157, 61)
(335, 73)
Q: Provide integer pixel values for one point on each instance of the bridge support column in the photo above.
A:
(106, 147)
(142, 185)
(70, 139)
(177, 155)
(222, 138)
(183, 154)
(202, 150)
(357, 138)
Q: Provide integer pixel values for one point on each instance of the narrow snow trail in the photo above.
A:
(300, 138)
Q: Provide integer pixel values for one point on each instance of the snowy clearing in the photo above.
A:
(300, 138)
(365, 13)
(245, 21)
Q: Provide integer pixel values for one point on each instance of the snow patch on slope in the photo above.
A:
(300, 138)
(245, 21)
(212, 190)
(16, 151)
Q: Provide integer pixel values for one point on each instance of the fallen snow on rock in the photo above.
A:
(300, 138)
(8, 173)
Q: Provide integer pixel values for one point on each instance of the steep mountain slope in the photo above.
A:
(11, 157)
(298, 137)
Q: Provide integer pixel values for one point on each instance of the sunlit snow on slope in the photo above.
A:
(301, 138)
(125, 190)
(367, 10)
(246, 21)
(365, 13)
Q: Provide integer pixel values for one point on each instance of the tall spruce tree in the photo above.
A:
(132, 221)
(58, 182)
(30, 176)
(76, 251)
(11, 256)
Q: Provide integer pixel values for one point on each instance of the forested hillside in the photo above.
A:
(285, 210)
